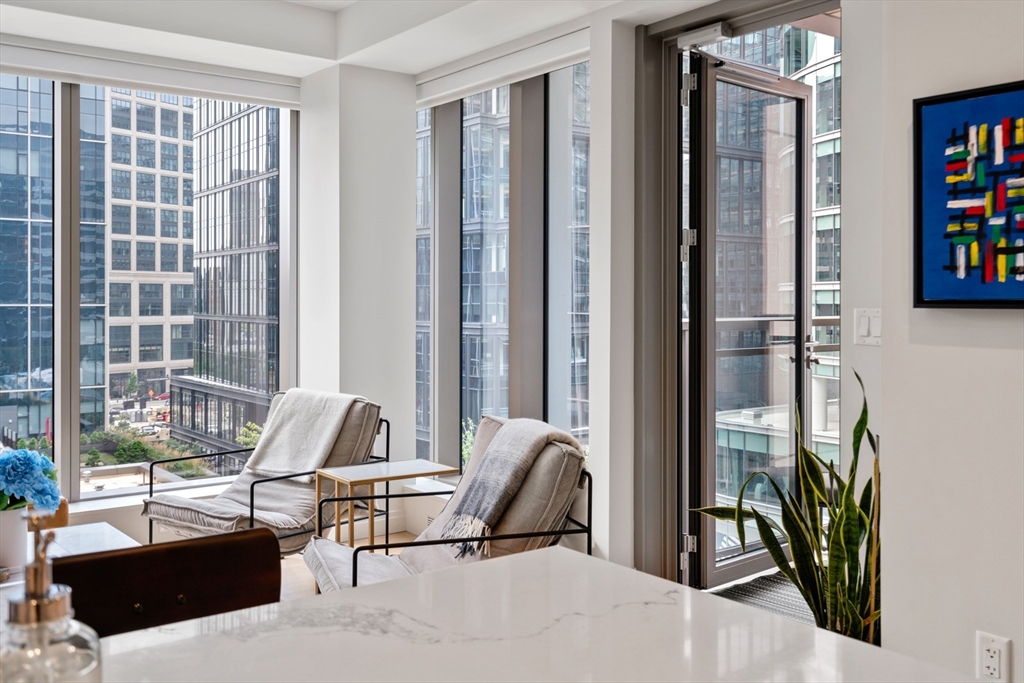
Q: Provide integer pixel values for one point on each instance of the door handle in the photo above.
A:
(809, 357)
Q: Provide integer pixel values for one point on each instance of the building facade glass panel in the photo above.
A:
(145, 187)
(145, 221)
(120, 255)
(120, 346)
(145, 119)
(181, 342)
(121, 149)
(168, 156)
(151, 299)
(145, 256)
(151, 343)
(169, 122)
(119, 300)
(168, 257)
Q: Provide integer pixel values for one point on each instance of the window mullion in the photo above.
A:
(67, 286)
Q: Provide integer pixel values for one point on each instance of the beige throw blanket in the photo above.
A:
(301, 435)
(505, 464)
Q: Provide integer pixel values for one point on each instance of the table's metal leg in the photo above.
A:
(337, 512)
(387, 518)
(351, 517)
(319, 508)
(371, 508)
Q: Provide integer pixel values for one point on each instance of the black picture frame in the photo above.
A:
(920, 298)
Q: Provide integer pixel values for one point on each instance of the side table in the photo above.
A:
(371, 474)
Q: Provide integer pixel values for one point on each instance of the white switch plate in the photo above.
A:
(993, 657)
(867, 325)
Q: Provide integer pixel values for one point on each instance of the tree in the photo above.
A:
(250, 435)
(33, 444)
(468, 439)
(22, 444)
(44, 442)
(131, 388)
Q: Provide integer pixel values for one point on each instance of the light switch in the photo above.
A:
(868, 323)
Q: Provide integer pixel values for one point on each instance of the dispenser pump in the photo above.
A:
(41, 642)
(43, 601)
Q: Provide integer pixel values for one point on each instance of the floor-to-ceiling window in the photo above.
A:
(568, 250)
(424, 258)
(148, 232)
(485, 209)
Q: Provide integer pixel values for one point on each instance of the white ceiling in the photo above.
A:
(329, 5)
(295, 38)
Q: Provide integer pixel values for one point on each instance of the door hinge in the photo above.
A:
(689, 83)
(688, 239)
(689, 543)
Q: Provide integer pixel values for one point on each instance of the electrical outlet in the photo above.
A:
(993, 657)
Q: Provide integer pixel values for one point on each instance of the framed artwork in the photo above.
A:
(969, 199)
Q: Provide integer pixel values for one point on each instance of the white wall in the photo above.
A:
(319, 235)
(612, 52)
(356, 249)
(948, 383)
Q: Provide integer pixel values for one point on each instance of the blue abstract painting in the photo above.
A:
(969, 203)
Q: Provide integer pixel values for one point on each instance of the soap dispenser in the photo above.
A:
(41, 641)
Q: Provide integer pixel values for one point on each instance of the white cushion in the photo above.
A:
(331, 565)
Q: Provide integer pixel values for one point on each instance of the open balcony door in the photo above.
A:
(747, 313)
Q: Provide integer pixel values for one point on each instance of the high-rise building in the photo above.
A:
(26, 269)
(236, 276)
(149, 273)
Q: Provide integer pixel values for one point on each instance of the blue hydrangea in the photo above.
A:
(26, 476)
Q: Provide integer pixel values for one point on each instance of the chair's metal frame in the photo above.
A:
(252, 487)
(580, 528)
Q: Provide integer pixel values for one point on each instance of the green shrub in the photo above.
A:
(33, 444)
(22, 443)
(93, 458)
(188, 469)
(98, 437)
(44, 442)
(132, 452)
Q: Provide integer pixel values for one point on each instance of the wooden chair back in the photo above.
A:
(136, 588)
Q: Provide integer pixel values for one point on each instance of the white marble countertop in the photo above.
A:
(552, 614)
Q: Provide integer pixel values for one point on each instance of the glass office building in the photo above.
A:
(26, 269)
(236, 276)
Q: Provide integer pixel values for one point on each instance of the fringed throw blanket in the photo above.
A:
(505, 464)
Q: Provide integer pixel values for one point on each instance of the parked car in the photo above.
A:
(163, 397)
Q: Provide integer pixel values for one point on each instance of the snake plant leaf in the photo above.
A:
(812, 471)
(774, 548)
(852, 530)
(4, 499)
(858, 430)
(854, 622)
(727, 513)
(800, 550)
(741, 531)
(867, 499)
(836, 566)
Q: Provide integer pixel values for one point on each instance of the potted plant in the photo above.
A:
(25, 477)
(832, 534)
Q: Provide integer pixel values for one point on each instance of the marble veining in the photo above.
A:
(551, 614)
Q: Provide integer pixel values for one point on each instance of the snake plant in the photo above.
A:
(835, 556)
